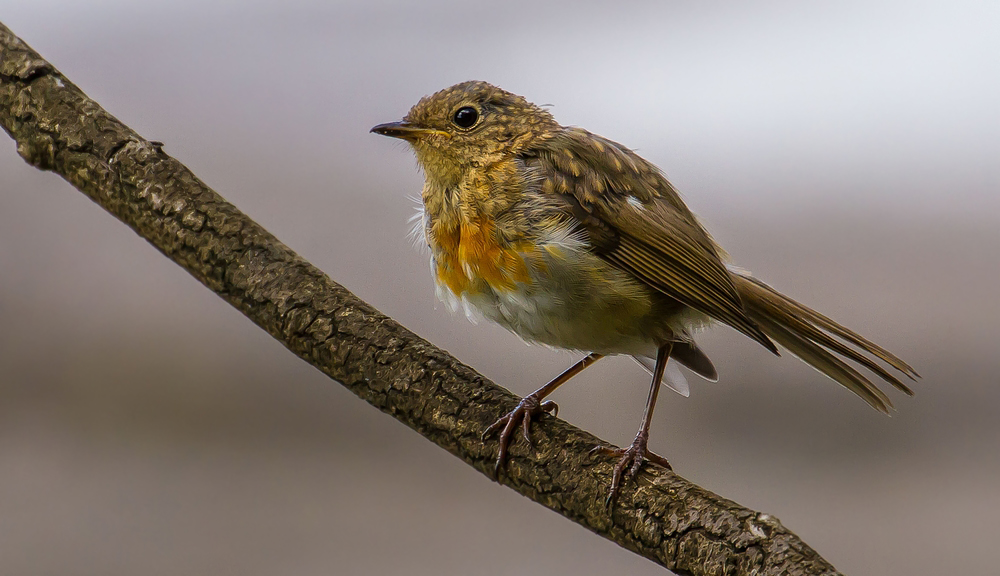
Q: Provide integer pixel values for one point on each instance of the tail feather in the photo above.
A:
(810, 336)
(827, 363)
(672, 376)
(829, 325)
(691, 356)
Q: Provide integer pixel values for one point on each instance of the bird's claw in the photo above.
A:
(632, 459)
(528, 408)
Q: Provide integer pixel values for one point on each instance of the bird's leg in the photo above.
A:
(632, 458)
(531, 406)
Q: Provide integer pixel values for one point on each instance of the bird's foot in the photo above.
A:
(528, 408)
(630, 460)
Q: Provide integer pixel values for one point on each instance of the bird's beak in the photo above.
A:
(406, 130)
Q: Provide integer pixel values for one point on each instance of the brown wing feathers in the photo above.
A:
(656, 237)
(640, 224)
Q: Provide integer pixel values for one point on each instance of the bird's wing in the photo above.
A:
(636, 220)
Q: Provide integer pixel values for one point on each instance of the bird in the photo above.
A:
(574, 241)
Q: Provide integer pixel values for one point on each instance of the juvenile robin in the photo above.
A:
(571, 240)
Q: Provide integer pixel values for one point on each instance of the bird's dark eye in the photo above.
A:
(466, 116)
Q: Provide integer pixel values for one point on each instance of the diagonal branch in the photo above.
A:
(664, 518)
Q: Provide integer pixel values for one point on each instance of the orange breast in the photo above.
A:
(470, 254)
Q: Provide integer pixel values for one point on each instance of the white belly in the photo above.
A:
(579, 302)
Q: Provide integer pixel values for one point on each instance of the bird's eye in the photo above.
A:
(465, 117)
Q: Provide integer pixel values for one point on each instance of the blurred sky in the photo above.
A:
(845, 152)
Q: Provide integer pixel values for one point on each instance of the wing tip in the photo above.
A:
(757, 334)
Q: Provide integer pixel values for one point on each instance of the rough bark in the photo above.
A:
(662, 517)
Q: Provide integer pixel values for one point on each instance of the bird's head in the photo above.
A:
(468, 125)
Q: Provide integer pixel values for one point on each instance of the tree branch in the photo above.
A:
(662, 517)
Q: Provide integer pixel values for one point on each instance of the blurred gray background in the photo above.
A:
(845, 152)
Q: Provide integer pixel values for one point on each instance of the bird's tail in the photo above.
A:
(818, 341)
